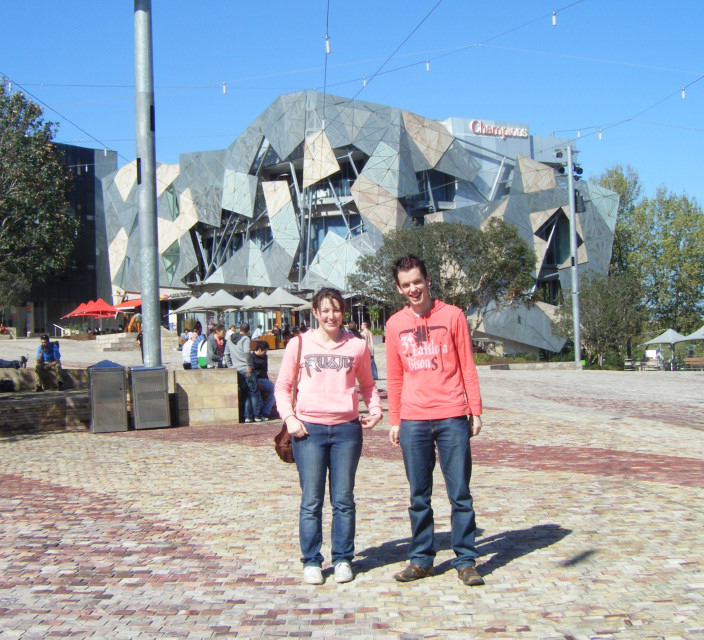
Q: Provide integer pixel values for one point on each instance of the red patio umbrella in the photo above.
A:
(99, 309)
(76, 312)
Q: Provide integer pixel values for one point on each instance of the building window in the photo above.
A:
(170, 257)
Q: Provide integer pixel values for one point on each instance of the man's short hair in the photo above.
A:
(219, 327)
(408, 262)
(44, 336)
(262, 345)
(244, 327)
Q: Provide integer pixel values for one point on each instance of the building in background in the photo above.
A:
(87, 278)
(315, 181)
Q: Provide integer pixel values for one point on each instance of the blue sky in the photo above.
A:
(618, 64)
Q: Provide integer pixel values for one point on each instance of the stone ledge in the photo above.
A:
(201, 397)
(24, 378)
(47, 411)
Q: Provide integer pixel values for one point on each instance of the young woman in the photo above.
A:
(326, 429)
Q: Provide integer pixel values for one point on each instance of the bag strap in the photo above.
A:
(294, 388)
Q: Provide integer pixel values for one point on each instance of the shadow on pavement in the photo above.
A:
(501, 548)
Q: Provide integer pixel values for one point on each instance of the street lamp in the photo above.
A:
(573, 255)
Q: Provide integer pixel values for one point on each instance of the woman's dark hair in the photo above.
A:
(408, 262)
(328, 293)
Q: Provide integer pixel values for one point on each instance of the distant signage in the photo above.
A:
(484, 128)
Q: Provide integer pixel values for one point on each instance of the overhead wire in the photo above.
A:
(380, 71)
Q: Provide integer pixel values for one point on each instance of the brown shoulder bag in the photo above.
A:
(282, 440)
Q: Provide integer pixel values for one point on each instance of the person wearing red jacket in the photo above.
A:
(434, 401)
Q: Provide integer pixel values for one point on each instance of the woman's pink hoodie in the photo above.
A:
(327, 375)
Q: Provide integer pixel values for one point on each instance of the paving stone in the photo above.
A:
(588, 488)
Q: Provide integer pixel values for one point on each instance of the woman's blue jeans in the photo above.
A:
(418, 441)
(327, 451)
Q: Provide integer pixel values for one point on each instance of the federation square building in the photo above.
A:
(316, 180)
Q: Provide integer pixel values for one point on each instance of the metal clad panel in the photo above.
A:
(108, 407)
(150, 398)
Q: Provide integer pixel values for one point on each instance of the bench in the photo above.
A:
(694, 363)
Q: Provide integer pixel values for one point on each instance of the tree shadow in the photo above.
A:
(501, 549)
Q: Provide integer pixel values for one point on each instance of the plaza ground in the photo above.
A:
(588, 488)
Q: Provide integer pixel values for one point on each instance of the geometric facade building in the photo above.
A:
(315, 181)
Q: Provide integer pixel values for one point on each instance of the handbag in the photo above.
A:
(282, 440)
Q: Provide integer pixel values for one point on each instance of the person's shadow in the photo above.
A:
(501, 548)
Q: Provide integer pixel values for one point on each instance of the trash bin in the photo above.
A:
(150, 397)
(108, 402)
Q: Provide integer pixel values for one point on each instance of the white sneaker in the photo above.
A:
(343, 572)
(312, 575)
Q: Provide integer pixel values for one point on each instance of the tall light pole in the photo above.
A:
(146, 182)
(573, 255)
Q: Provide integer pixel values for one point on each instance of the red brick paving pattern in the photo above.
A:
(588, 460)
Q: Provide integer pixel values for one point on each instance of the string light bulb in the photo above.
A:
(427, 65)
(327, 45)
(554, 18)
(682, 93)
(224, 88)
(365, 81)
(579, 133)
(599, 133)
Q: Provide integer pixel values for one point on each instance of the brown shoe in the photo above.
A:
(470, 576)
(413, 572)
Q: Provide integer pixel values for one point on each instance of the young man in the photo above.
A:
(238, 355)
(434, 401)
(260, 364)
(48, 365)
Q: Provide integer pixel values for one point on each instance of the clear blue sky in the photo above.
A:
(615, 64)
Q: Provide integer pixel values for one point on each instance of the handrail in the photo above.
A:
(64, 332)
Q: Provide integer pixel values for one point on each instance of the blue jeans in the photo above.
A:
(267, 386)
(375, 372)
(335, 449)
(249, 389)
(418, 440)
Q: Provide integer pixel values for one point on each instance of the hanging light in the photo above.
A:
(427, 65)
(599, 133)
(105, 151)
(579, 133)
(554, 18)
(327, 44)
(682, 93)
(224, 88)
(365, 81)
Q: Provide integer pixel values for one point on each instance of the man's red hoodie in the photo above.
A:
(429, 365)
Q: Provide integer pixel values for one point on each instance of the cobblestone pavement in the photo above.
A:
(588, 488)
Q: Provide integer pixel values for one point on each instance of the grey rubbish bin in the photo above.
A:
(108, 402)
(150, 397)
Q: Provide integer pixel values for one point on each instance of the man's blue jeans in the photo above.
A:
(267, 386)
(249, 388)
(418, 440)
(335, 449)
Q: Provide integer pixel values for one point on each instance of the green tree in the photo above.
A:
(470, 268)
(626, 183)
(611, 311)
(668, 254)
(37, 229)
